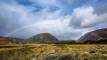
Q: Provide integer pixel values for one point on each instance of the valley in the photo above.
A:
(45, 46)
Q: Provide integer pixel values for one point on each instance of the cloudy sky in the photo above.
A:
(66, 19)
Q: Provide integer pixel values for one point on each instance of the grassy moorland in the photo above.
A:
(53, 52)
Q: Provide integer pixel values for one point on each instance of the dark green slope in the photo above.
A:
(43, 38)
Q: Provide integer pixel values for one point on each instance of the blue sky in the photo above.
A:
(66, 19)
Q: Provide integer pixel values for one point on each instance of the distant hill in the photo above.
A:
(97, 36)
(10, 40)
(43, 38)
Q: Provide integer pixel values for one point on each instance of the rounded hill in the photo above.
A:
(43, 37)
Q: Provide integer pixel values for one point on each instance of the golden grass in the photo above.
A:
(40, 51)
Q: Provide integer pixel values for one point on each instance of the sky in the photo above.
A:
(65, 19)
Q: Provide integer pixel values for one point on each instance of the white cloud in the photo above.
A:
(52, 23)
(84, 17)
(30, 24)
(13, 17)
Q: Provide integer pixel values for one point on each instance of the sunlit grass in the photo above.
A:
(56, 51)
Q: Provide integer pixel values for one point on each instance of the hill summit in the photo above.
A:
(43, 38)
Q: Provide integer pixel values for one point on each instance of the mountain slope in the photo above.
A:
(97, 35)
(43, 38)
(10, 40)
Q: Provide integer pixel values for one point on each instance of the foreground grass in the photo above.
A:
(53, 52)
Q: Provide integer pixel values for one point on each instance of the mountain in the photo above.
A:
(43, 38)
(39, 38)
(98, 36)
(10, 40)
